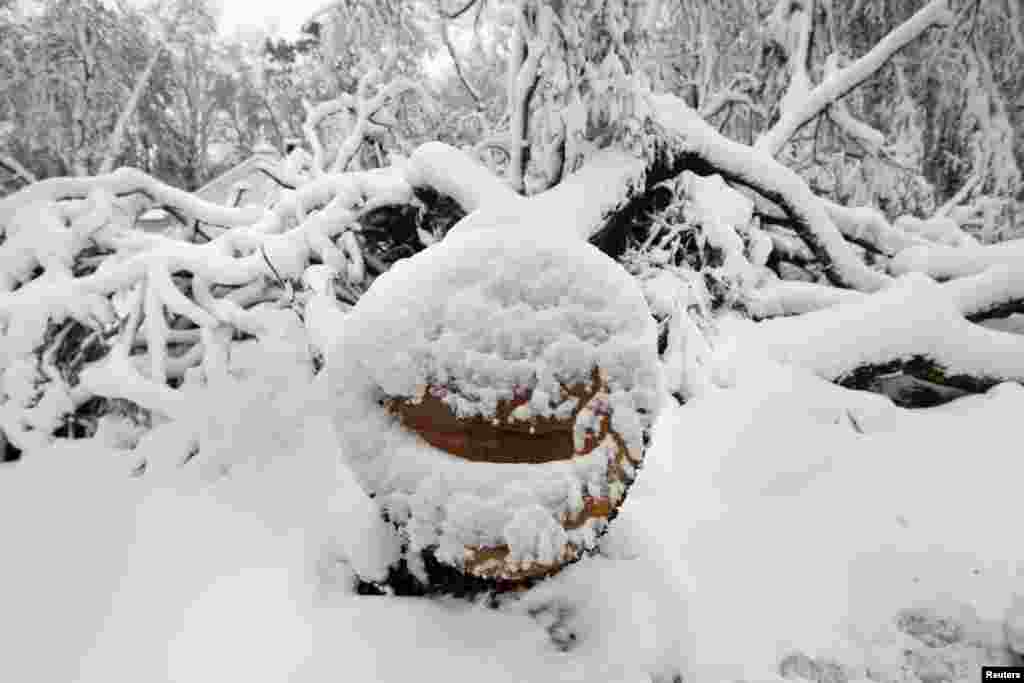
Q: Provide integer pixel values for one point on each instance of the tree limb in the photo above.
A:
(130, 105)
(799, 112)
(692, 142)
(16, 168)
(446, 39)
(459, 12)
(122, 182)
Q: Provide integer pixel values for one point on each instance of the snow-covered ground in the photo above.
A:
(780, 515)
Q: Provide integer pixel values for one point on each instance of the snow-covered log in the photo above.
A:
(944, 262)
(996, 292)
(914, 327)
(488, 324)
(454, 173)
(581, 205)
(938, 229)
(585, 201)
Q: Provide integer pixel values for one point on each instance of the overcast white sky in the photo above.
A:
(285, 15)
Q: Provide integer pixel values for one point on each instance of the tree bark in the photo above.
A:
(117, 135)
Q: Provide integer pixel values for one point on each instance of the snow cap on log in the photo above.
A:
(544, 335)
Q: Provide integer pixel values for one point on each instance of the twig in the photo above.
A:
(457, 13)
(263, 253)
(446, 39)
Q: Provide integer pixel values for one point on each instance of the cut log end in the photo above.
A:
(504, 440)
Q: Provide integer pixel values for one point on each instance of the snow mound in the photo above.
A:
(487, 314)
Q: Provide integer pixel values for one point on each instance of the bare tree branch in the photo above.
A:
(16, 168)
(459, 12)
(446, 38)
(117, 135)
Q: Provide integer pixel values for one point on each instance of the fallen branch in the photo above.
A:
(914, 325)
(944, 262)
(454, 173)
(868, 226)
(123, 182)
(997, 292)
(691, 143)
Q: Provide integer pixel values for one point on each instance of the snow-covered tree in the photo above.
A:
(787, 231)
(107, 326)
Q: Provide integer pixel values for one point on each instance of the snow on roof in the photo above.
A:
(482, 313)
(245, 175)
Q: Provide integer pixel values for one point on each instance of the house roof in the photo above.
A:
(244, 184)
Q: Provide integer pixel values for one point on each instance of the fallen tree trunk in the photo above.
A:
(944, 262)
(997, 292)
(914, 328)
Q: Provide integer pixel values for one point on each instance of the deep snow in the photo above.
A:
(781, 513)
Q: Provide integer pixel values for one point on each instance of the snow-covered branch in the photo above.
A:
(725, 99)
(913, 319)
(153, 347)
(867, 226)
(693, 142)
(798, 110)
(997, 291)
(123, 182)
(366, 108)
(529, 44)
(457, 175)
(796, 298)
(315, 115)
(943, 262)
(871, 139)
